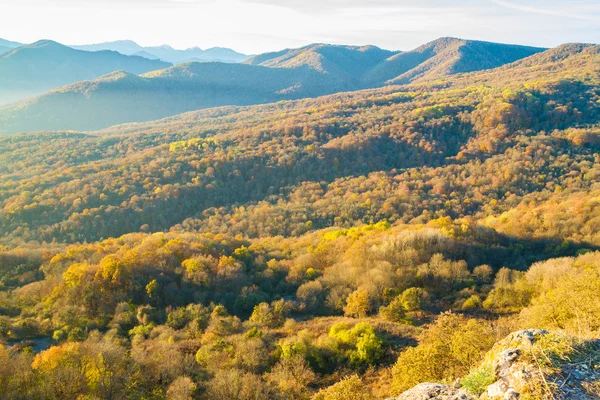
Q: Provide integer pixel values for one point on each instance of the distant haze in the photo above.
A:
(255, 26)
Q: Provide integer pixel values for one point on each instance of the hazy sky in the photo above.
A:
(254, 26)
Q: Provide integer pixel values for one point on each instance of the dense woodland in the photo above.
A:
(343, 247)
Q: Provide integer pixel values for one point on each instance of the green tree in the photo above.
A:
(414, 299)
(395, 311)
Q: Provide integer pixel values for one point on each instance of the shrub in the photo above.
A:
(447, 350)
(506, 299)
(303, 345)
(349, 388)
(394, 312)
(361, 344)
(472, 303)
(479, 379)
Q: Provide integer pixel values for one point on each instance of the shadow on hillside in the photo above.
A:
(500, 250)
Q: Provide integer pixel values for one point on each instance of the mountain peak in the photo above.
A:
(42, 49)
(347, 62)
(126, 41)
(46, 42)
(446, 56)
(45, 65)
(113, 76)
(447, 39)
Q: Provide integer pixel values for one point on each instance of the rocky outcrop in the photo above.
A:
(513, 372)
(532, 364)
(427, 391)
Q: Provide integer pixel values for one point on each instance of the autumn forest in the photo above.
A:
(345, 246)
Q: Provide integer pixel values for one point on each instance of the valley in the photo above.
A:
(325, 222)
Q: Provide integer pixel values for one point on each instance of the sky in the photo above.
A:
(256, 26)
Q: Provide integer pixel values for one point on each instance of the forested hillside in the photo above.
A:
(444, 57)
(291, 74)
(349, 246)
(411, 151)
(350, 62)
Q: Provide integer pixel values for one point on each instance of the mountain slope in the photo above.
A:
(167, 53)
(122, 97)
(224, 54)
(350, 62)
(4, 49)
(290, 74)
(145, 54)
(127, 47)
(406, 154)
(379, 238)
(44, 65)
(444, 57)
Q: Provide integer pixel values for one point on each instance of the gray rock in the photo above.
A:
(527, 336)
(434, 391)
(497, 389)
(506, 359)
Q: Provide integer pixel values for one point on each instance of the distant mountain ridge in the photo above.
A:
(372, 66)
(167, 53)
(447, 56)
(121, 97)
(347, 62)
(34, 69)
(10, 44)
(311, 71)
(6, 45)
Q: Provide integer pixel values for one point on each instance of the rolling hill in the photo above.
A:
(523, 132)
(167, 53)
(122, 97)
(348, 246)
(370, 66)
(33, 69)
(291, 74)
(145, 54)
(347, 62)
(6, 45)
(446, 56)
